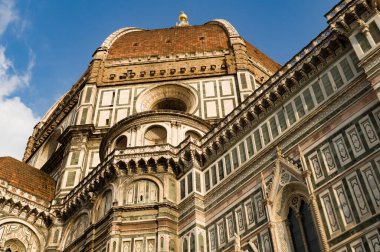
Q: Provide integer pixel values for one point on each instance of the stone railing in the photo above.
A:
(337, 9)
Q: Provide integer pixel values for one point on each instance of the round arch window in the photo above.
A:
(155, 135)
(104, 205)
(48, 150)
(121, 143)
(193, 134)
(141, 192)
(77, 229)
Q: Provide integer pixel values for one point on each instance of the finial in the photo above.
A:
(183, 20)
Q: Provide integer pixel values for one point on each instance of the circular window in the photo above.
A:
(168, 97)
(155, 135)
(170, 104)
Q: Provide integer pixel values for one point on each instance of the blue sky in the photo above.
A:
(46, 45)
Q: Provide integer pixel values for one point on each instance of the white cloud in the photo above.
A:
(16, 125)
(8, 14)
(16, 119)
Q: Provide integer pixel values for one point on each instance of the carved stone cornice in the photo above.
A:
(16, 202)
(173, 67)
(340, 12)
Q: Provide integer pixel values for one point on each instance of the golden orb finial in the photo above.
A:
(182, 17)
(183, 20)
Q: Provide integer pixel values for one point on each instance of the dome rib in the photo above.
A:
(116, 34)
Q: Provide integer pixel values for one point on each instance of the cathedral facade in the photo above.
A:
(190, 139)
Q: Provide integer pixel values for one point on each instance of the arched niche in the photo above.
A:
(141, 192)
(192, 242)
(170, 104)
(167, 97)
(185, 246)
(193, 134)
(103, 205)
(121, 143)
(48, 149)
(77, 228)
(172, 246)
(201, 243)
(155, 134)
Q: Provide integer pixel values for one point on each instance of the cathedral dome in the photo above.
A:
(217, 37)
(189, 39)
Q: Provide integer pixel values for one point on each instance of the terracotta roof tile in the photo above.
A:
(174, 40)
(259, 56)
(189, 39)
(27, 178)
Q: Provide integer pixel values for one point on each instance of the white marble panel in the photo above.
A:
(104, 118)
(341, 150)
(369, 132)
(211, 109)
(316, 167)
(209, 87)
(355, 142)
(226, 87)
(107, 98)
(328, 159)
(358, 196)
(124, 97)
